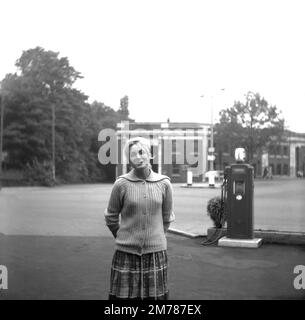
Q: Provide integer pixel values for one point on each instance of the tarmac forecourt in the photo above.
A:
(279, 207)
(78, 209)
(78, 267)
(55, 245)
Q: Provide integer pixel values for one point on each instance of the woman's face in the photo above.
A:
(139, 158)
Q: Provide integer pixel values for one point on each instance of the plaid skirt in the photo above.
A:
(139, 277)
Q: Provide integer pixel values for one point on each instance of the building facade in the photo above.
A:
(286, 158)
(176, 147)
(181, 147)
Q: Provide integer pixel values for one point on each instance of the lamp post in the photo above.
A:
(212, 137)
(211, 149)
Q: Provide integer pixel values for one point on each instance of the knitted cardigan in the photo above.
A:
(139, 212)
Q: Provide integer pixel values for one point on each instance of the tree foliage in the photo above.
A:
(45, 68)
(43, 80)
(252, 124)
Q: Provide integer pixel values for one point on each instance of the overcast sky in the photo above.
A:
(166, 54)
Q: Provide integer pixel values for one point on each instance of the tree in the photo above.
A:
(43, 79)
(25, 131)
(252, 124)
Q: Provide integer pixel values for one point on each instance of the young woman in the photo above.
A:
(138, 215)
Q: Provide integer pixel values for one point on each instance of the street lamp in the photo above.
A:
(211, 150)
(212, 137)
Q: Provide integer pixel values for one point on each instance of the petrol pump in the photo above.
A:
(238, 203)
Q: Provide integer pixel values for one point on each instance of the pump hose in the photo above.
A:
(207, 242)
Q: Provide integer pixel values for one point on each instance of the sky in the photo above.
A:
(173, 58)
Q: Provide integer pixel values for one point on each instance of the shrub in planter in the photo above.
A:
(215, 209)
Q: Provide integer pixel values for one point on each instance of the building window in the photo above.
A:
(174, 158)
(285, 169)
(278, 169)
(196, 146)
(278, 150)
(272, 150)
(285, 151)
(174, 145)
(176, 169)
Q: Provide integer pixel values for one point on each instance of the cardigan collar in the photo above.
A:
(153, 176)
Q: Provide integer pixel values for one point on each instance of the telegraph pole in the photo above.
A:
(1, 138)
(53, 142)
(52, 99)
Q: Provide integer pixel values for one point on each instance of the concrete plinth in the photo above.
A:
(240, 243)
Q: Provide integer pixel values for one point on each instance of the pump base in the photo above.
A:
(240, 243)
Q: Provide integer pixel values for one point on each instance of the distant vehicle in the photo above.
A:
(218, 174)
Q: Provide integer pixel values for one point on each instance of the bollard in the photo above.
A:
(211, 180)
(189, 178)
